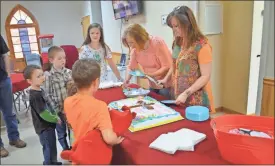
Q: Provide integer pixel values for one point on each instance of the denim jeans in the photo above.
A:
(48, 141)
(62, 133)
(163, 92)
(7, 110)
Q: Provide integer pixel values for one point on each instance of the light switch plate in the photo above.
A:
(163, 19)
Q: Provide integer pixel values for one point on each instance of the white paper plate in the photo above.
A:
(168, 101)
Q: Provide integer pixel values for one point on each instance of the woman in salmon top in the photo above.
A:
(192, 61)
(151, 53)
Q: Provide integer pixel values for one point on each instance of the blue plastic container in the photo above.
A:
(197, 113)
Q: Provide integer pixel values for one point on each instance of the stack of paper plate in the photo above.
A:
(135, 92)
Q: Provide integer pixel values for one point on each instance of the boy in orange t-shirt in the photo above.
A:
(83, 112)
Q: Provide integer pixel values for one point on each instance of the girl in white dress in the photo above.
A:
(95, 48)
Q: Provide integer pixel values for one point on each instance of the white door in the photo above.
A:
(255, 56)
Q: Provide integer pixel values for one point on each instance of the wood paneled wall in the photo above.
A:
(268, 97)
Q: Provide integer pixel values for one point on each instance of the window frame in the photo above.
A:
(8, 27)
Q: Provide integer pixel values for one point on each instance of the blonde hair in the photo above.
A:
(52, 50)
(51, 53)
(137, 32)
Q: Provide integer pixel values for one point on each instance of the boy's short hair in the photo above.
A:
(28, 71)
(84, 72)
(52, 50)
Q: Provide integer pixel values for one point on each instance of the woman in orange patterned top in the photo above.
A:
(192, 61)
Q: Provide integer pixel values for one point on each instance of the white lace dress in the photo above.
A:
(99, 56)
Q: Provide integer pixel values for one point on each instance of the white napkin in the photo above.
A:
(109, 84)
(183, 139)
(164, 144)
(195, 136)
(185, 143)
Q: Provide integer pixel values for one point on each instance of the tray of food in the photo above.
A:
(138, 73)
(133, 92)
(149, 112)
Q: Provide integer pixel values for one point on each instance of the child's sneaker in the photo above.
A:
(56, 163)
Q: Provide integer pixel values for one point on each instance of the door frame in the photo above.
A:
(255, 63)
(268, 16)
(88, 17)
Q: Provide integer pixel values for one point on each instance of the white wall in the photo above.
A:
(87, 9)
(150, 19)
(61, 18)
(96, 12)
(93, 9)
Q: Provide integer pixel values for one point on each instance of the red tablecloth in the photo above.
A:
(135, 148)
(18, 82)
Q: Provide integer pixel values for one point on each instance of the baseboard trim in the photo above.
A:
(227, 110)
(219, 109)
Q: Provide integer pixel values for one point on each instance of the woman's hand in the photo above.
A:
(159, 86)
(181, 98)
(163, 81)
(125, 84)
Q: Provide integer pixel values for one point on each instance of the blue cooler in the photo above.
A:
(197, 113)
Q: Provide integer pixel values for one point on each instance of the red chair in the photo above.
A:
(71, 55)
(45, 58)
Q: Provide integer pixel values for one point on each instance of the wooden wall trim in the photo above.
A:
(219, 109)
(267, 105)
(116, 54)
(269, 81)
(227, 110)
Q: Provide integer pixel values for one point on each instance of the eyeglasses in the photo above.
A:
(183, 9)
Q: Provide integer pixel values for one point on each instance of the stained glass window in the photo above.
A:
(21, 17)
(22, 32)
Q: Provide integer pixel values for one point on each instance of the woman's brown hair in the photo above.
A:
(137, 32)
(187, 21)
(88, 39)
